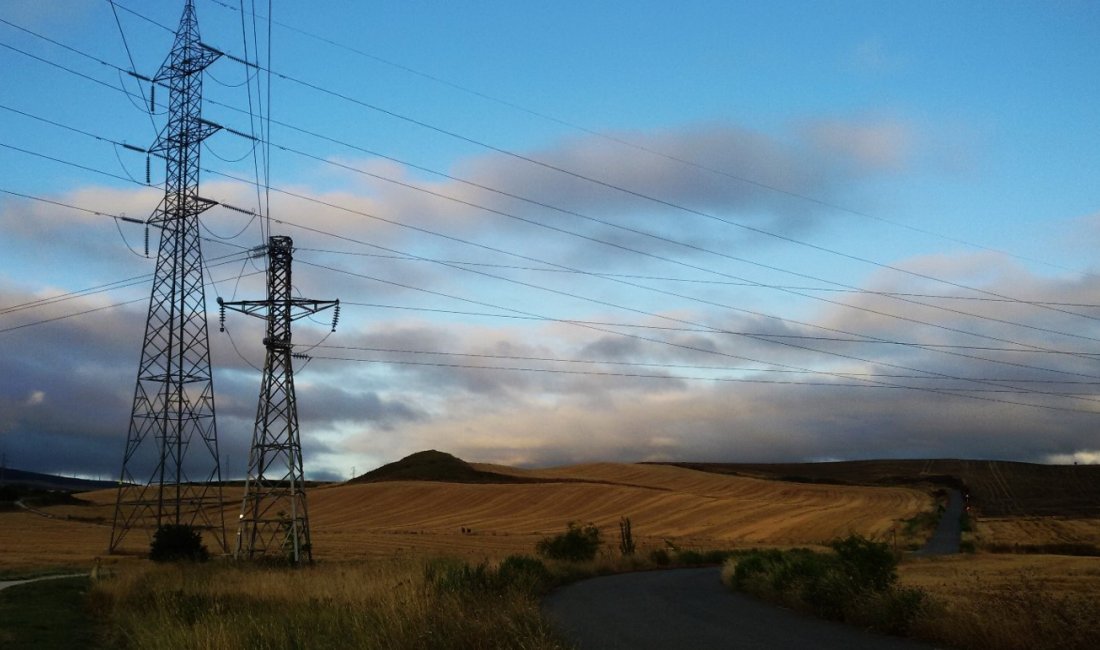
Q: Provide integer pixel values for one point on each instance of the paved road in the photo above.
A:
(691, 608)
(4, 584)
(948, 535)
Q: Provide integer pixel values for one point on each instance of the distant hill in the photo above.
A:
(25, 479)
(997, 488)
(436, 466)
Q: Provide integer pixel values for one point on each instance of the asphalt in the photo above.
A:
(691, 608)
(4, 584)
(948, 535)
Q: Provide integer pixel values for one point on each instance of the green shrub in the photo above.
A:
(524, 572)
(869, 564)
(856, 583)
(892, 610)
(660, 557)
(450, 575)
(177, 542)
(576, 544)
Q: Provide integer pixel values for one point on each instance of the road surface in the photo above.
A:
(691, 608)
(948, 535)
(4, 584)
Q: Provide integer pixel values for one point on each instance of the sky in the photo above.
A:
(574, 231)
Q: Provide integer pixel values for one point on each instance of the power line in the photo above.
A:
(761, 338)
(92, 310)
(755, 361)
(702, 330)
(732, 283)
(814, 350)
(635, 193)
(643, 148)
(109, 286)
(675, 366)
(1044, 305)
(706, 350)
(507, 279)
(416, 228)
(1038, 304)
(973, 393)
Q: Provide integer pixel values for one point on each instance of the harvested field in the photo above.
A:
(997, 488)
(973, 577)
(1010, 532)
(686, 507)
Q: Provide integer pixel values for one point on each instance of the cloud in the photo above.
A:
(714, 168)
(870, 145)
(977, 391)
(510, 363)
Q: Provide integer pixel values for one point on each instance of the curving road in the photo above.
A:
(691, 608)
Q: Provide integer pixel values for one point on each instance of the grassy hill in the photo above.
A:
(34, 480)
(432, 465)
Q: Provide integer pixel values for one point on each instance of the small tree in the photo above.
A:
(626, 537)
(175, 542)
(576, 544)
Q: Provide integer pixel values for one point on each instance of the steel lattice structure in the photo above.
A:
(171, 472)
(274, 518)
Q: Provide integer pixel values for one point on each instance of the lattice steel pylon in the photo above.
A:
(171, 471)
(274, 519)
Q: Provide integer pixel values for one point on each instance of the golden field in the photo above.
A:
(688, 508)
(983, 599)
(1011, 531)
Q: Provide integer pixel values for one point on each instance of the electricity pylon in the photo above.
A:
(274, 519)
(171, 472)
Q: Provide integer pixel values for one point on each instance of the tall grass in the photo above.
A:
(1026, 615)
(389, 604)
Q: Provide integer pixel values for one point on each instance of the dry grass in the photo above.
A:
(1036, 531)
(390, 604)
(1010, 602)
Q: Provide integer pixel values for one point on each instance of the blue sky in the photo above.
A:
(708, 170)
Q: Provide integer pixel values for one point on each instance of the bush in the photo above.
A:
(660, 557)
(526, 573)
(869, 564)
(853, 584)
(576, 544)
(450, 575)
(177, 542)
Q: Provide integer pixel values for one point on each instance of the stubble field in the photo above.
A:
(490, 521)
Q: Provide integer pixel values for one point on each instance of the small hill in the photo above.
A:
(435, 466)
(24, 479)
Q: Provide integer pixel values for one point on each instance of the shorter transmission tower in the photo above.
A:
(274, 519)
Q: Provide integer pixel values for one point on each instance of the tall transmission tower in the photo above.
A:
(274, 519)
(171, 472)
